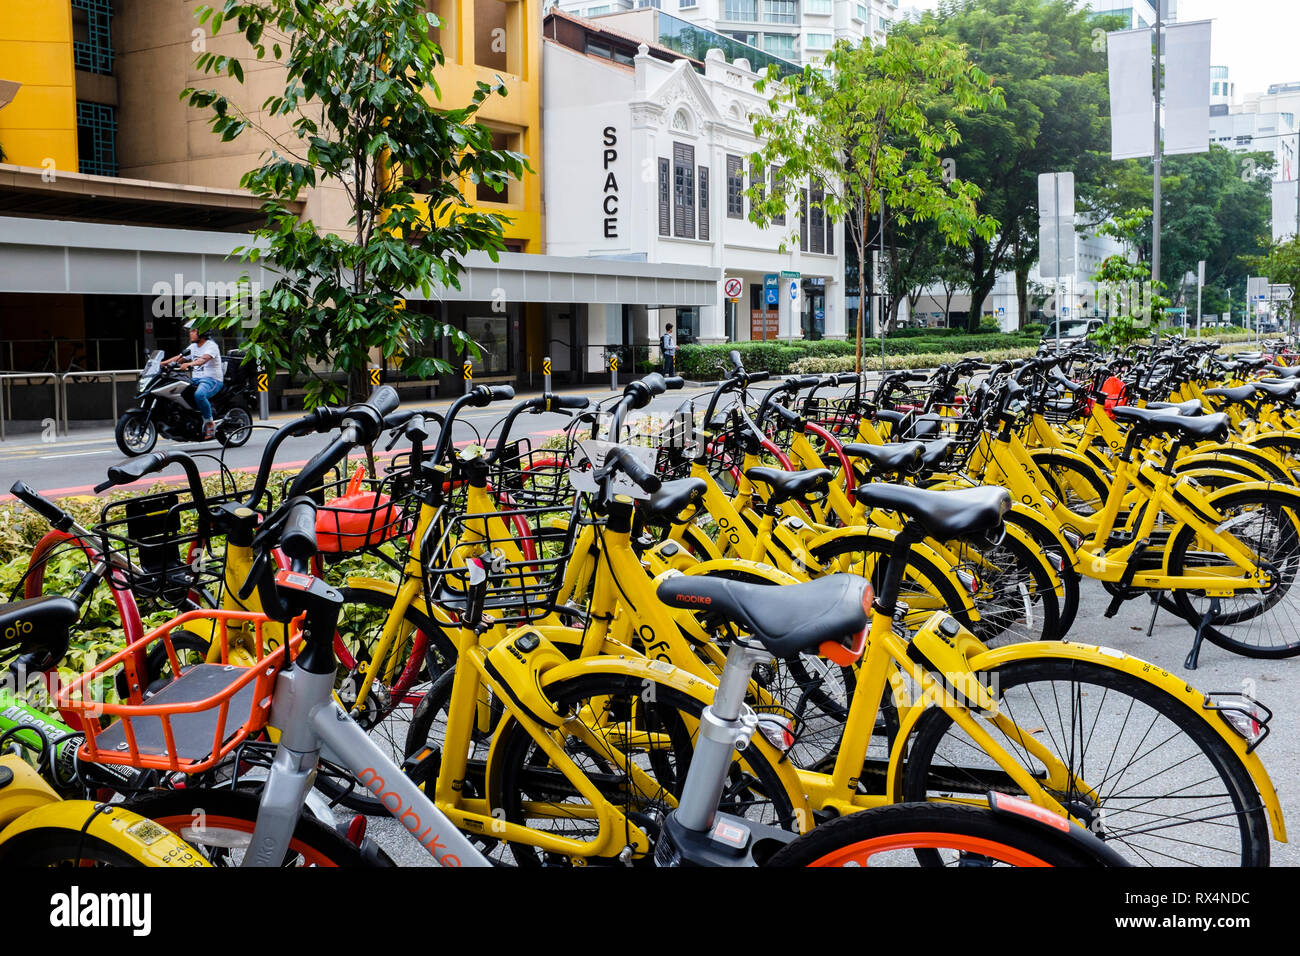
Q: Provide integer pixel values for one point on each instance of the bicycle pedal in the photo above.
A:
(1113, 608)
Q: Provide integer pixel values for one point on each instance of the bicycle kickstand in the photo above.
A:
(1155, 609)
(1194, 654)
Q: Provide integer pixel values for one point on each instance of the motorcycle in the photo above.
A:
(165, 405)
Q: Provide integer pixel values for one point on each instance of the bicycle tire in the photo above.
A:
(936, 770)
(753, 788)
(978, 835)
(1055, 467)
(62, 846)
(1007, 596)
(1276, 608)
(228, 816)
(1068, 575)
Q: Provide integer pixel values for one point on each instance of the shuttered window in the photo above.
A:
(777, 189)
(664, 189)
(683, 190)
(704, 202)
(816, 222)
(735, 189)
(803, 219)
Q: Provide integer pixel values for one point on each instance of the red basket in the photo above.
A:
(356, 519)
(191, 723)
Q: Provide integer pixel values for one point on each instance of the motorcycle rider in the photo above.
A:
(203, 356)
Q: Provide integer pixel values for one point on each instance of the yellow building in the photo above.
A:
(38, 126)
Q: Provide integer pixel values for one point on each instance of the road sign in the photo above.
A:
(467, 371)
(546, 365)
(771, 290)
(613, 363)
(794, 290)
(374, 377)
(263, 384)
(732, 287)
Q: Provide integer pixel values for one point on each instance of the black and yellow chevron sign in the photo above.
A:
(263, 383)
(374, 376)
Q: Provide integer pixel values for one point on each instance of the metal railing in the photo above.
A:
(6, 387)
(110, 376)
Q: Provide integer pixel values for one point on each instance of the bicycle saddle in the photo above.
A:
(787, 619)
(1235, 396)
(1196, 427)
(1190, 407)
(1277, 390)
(934, 453)
(891, 457)
(673, 497)
(1282, 371)
(39, 627)
(943, 514)
(790, 485)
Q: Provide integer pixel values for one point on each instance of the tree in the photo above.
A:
(1215, 206)
(1281, 264)
(1133, 303)
(855, 127)
(1045, 56)
(355, 113)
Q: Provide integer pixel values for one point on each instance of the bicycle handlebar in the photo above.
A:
(59, 519)
(627, 463)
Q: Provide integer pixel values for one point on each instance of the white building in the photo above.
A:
(647, 158)
(797, 30)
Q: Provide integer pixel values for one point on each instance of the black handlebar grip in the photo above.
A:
(655, 383)
(42, 506)
(916, 377)
(298, 539)
(803, 381)
(627, 463)
(753, 377)
(576, 402)
(790, 416)
(674, 382)
(501, 393)
(133, 469)
(846, 378)
(384, 400)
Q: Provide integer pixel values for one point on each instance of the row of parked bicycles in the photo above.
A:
(799, 622)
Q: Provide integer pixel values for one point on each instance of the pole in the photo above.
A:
(1200, 270)
(1155, 177)
(880, 293)
(1056, 186)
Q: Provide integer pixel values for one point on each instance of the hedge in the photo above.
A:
(871, 362)
(711, 362)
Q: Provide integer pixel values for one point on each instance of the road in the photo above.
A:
(74, 464)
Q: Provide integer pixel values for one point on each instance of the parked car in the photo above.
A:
(1074, 332)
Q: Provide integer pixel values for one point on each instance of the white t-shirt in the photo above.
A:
(211, 369)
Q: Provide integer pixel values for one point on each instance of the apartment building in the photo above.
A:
(797, 30)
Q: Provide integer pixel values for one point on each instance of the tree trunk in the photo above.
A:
(894, 303)
(978, 294)
(862, 297)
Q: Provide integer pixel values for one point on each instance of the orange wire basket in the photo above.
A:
(194, 721)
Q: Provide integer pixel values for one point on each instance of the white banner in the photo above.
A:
(1055, 224)
(1132, 99)
(1285, 216)
(1187, 87)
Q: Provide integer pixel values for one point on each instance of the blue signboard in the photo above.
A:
(771, 291)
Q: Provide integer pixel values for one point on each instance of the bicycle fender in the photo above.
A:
(752, 569)
(1171, 684)
(138, 837)
(391, 589)
(1025, 515)
(661, 672)
(1214, 460)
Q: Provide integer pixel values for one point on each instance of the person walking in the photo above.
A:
(668, 345)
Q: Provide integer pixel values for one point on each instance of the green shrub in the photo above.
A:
(989, 324)
(871, 362)
(1034, 328)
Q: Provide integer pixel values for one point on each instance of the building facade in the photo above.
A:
(117, 201)
(797, 30)
(654, 149)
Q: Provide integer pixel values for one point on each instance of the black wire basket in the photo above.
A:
(161, 544)
(523, 554)
(523, 476)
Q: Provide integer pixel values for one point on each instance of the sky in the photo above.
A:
(1256, 39)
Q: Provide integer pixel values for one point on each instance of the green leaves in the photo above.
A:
(361, 130)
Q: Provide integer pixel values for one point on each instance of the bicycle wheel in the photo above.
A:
(948, 835)
(62, 847)
(1066, 572)
(617, 719)
(1257, 623)
(1077, 487)
(219, 824)
(1146, 772)
(1014, 592)
(401, 681)
(925, 588)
